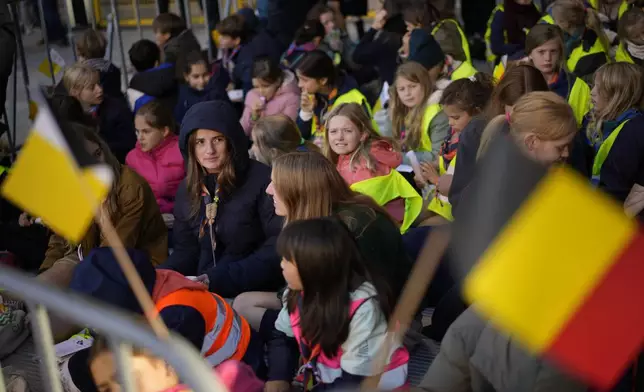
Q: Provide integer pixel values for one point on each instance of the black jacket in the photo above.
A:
(116, 125)
(379, 48)
(110, 76)
(158, 83)
(246, 227)
(178, 47)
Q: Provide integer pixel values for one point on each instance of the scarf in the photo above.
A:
(634, 50)
(517, 18)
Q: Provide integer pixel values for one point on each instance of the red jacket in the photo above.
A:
(162, 168)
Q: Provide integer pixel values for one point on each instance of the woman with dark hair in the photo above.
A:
(274, 91)
(225, 225)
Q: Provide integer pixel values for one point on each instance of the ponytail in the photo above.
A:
(490, 132)
(593, 22)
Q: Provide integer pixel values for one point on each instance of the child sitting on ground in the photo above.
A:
(337, 316)
(173, 38)
(91, 47)
(156, 156)
(153, 80)
(199, 85)
(152, 374)
(274, 136)
(115, 121)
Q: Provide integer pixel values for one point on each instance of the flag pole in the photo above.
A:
(132, 276)
(415, 288)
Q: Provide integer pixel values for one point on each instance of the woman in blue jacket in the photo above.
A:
(225, 225)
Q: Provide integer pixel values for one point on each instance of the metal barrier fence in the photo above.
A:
(120, 329)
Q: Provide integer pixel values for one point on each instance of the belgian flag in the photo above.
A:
(56, 179)
(553, 262)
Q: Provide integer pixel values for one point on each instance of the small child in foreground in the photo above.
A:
(152, 374)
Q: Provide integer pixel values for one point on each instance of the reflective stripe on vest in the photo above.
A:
(578, 53)
(352, 96)
(384, 189)
(436, 205)
(491, 57)
(425, 140)
(329, 369)
(227, 334)
(604, 150)
(625, 6)
(547, 18)
(464, 43)
(622, 55)
(465, 70)
(579, 99)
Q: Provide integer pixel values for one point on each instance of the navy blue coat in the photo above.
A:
(156, 83)
(116, 125)
(215, 90)
(246, 227)
(259, 45)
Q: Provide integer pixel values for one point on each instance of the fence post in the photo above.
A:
(137, 15)
(117, 27)
(45, 346)
(211, 50)
(43, 29)
(123, 355)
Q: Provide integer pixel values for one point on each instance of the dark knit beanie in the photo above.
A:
(424, 49)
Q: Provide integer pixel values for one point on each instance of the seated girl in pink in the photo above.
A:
(360, 153)
(156, 156)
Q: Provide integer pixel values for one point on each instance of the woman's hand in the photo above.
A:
(430, 173)
(380, 20)
(277, 386)
(307, 102)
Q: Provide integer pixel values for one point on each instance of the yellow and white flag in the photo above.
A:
(56, 179)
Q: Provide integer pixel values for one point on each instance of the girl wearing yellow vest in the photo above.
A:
(609, 150)
(586, 45)
(631, 36)
(507, 28)
(368, 163)
(418, 123)
(461, 101)
(323, 86)
(545, 48)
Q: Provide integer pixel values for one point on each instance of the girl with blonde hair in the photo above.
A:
(277, 135)
(368, 162)
(116, 122)
(610, 147)
(418, 123)
(545, 50)
(542, 124)
(586, 44)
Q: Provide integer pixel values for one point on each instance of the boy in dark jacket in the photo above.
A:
(242, 44)
(238, 254)
(91, 47)
(173, 38)
(153, 80)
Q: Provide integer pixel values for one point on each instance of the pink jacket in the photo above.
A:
(285, 101)
(162, 168)
(387, 159)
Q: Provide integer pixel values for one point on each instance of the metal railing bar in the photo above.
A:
(45, 347)
(123, 354)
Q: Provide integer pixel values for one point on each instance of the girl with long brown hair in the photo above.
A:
(225, 226)
(418, 124)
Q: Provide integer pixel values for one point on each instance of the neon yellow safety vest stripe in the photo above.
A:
(491, 57)
(464, 43)
(352, 96)
(547, 19)
(384, 189)
(465, 70)
(603, 152)
(436, 205)
(623, 8)
(622, 55)
(425, 140)
(579, 99)
(593, 3)
(578, 53)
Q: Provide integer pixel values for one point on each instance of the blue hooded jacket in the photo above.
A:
(214, 90)
(100, 276)
(245, 228)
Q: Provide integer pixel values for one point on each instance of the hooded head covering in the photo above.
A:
(218, 116)
(424, 49)
(100, 276)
